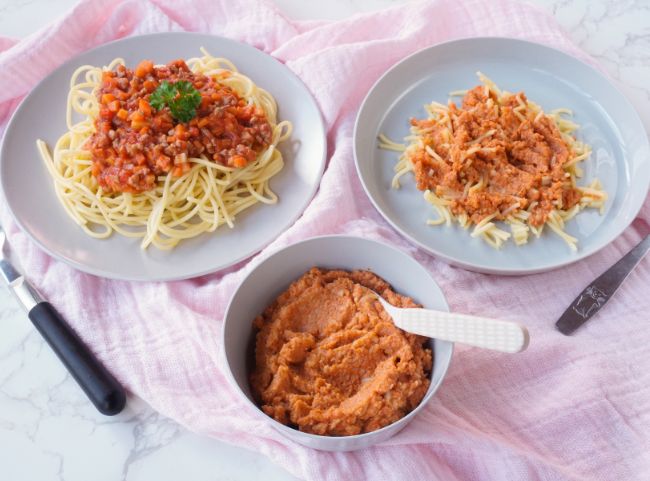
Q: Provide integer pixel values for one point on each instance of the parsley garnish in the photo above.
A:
(181, 97)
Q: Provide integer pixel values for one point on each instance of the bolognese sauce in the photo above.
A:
(518, 159)
(134, 142)
(329, 360)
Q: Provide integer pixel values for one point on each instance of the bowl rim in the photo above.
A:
(283, 428)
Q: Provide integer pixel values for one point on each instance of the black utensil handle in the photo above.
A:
(99, 385)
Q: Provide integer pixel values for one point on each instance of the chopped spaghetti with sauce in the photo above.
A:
(497, 157)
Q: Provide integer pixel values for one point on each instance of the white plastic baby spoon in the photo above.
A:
(504, 336)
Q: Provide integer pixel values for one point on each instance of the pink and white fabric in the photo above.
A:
(568, 408)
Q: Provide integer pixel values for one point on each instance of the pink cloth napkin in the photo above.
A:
(568, 408)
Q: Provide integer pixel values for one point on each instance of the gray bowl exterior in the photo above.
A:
(274, 274)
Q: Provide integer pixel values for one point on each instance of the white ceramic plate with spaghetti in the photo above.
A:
(29, 191)
(620, 156)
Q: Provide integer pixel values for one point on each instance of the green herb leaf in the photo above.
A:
(181, 97)
(162, 95)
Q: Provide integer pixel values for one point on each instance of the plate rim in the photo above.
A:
(452, 260)
(171, 277)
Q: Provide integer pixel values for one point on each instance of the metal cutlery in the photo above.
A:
(99, 385)
(601, 290)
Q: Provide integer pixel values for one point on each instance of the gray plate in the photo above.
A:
(30, 194)
(620, 158)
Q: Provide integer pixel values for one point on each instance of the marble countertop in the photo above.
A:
(49, 431)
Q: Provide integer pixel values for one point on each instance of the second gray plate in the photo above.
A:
(609, 123)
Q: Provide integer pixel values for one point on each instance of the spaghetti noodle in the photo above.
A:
(159, 174)
(498, 157)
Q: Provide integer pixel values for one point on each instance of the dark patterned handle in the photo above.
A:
(596, 294)
(589, 301)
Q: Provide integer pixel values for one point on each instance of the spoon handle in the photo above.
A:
(601, 290)
(504, 336)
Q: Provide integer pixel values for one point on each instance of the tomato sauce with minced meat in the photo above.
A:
(521, 162)
(134, 143)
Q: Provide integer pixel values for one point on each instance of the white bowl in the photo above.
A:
(274, 274)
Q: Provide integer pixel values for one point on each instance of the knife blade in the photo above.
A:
(600, 291)
(95, 380)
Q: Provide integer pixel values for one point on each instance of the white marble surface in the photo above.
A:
(48, 431)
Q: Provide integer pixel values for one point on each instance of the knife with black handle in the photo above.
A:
(100, 386)
(596, 294)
